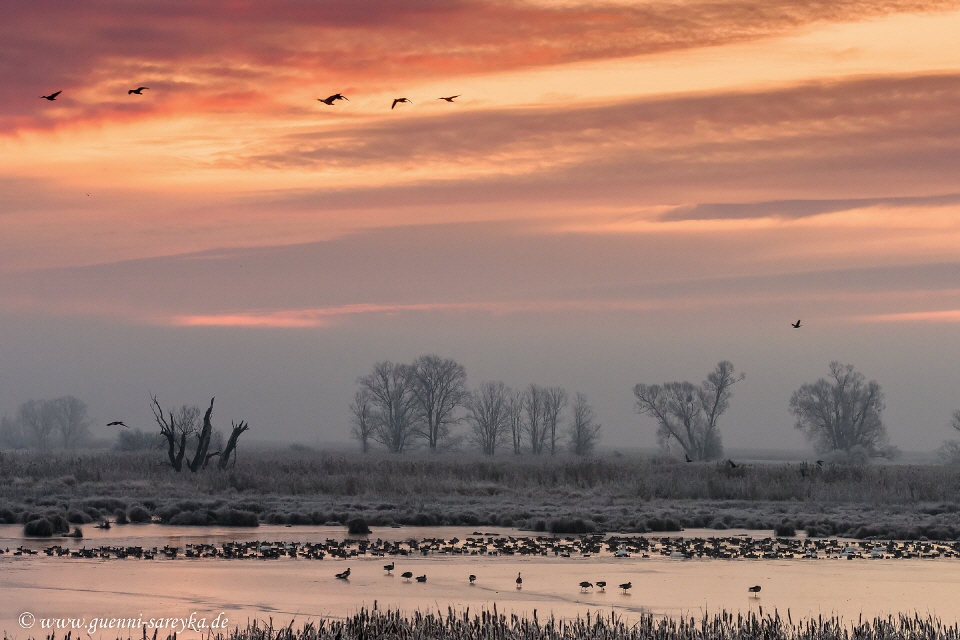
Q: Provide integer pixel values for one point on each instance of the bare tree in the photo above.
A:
(177, 427)
(488, 412)
(231, 446)
(11, 434)
(843, 413)
(515, 416)
(533, 405)
(362, 419)
(687, 415)
(554, 400)
(391, 394)
(584, 430)
(70, 418)
(439, 386)
(38, 421)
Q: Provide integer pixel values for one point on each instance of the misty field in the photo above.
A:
(555, 494)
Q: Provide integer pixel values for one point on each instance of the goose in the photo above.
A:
(396, 100)
(626, 585)
(52, 96)
(138, 91)
(389, 567)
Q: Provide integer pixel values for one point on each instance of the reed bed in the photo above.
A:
(557, 494)
(370, 624)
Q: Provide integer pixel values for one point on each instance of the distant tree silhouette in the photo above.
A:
(439, 386)
(515, 417)
(362, 419)
(949, 451)
(842, 413)
(488, 413)
(71, 420)
(390, 388)
(534, 400)
(686, 414)
(37, 418)
(584, 430)
(554, 400)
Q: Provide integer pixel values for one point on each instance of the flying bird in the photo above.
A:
(344, 575)
(754, 590)
(138, 91)
(331, 99)
(396, 100)
(117, 423)
(626, 585)
(450, 99)
(795, 325)
(52, 96)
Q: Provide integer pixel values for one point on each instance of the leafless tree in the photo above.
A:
(554, 400)
(390, 388)
(38, 420)
(534, 402)
(362, 419)
(584, 430)
(488, 412)
(515, 417)
(177, 427)
(440, 387)
(231, 447)
(70, 418)
(842, 413)
(11, 434)
(686, 414)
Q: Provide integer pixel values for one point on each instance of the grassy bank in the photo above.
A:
(617, 493)
(489, 625)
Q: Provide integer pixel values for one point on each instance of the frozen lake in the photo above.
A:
(298, 588)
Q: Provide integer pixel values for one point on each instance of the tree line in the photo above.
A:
(401, 406)
(47, 424)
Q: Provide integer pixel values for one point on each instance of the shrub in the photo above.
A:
(7, 516)
(120, 516)
(784, 530)
(138, 514)
(78, 517)
(357, 526)
(236, 518)
(60, 524)
(40, 528)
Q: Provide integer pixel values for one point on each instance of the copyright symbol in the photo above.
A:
(27, 620)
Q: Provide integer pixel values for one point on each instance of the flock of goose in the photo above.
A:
(583, 546)
(329, 100)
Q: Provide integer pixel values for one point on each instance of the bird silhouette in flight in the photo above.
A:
(795, 325)
(52, 96)
(396, 100)
(450, 99)
(138, 91)
(754, 590)
(117, 423)
(331, 99)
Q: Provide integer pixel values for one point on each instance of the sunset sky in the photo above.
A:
(623, 192)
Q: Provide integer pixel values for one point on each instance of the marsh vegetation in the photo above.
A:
(560, 493)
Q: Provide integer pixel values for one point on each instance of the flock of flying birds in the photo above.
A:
(329, 100)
